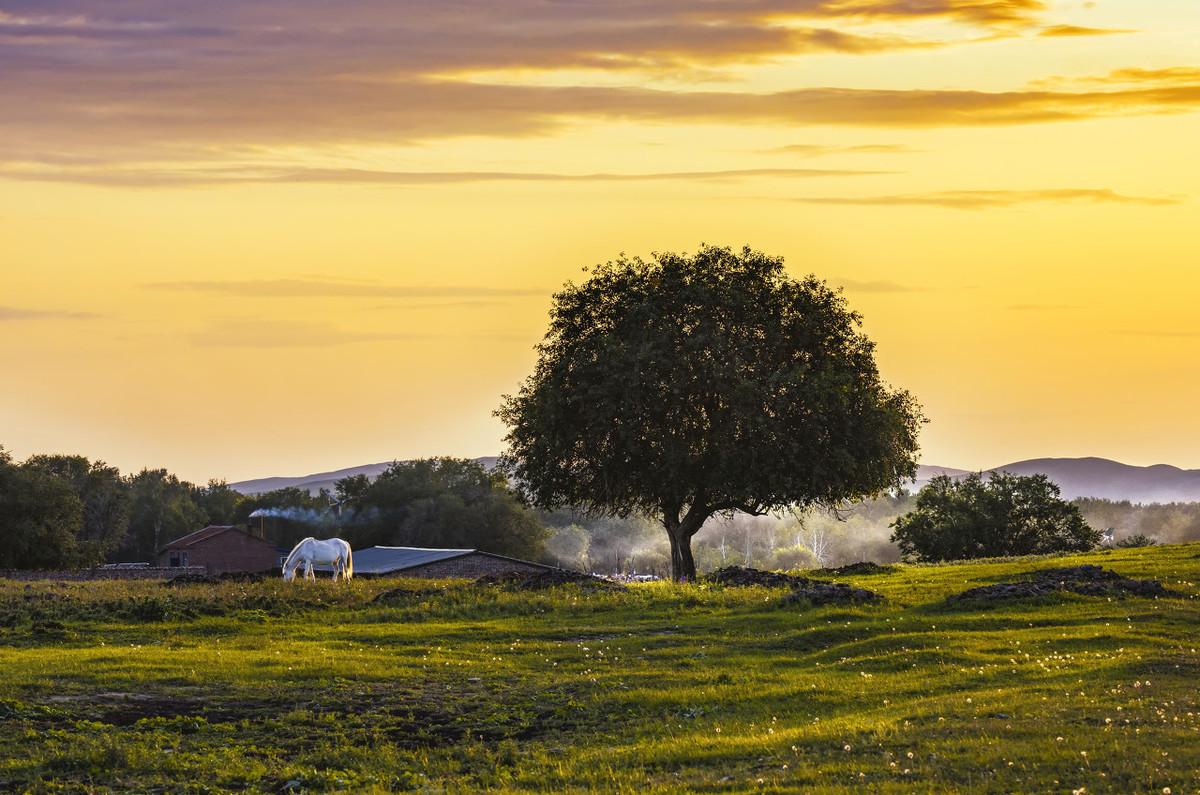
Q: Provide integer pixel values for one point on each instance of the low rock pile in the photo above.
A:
(743, 576)
(828, 593)
(541, 580)
(1085, 580)
(863, 567)
(803, 590)
(402, 594)
(212, 579)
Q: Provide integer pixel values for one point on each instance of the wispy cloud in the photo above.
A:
(983, 199)
(820, 150)
(154, 177)
(248, 333)
(1060, 31)
(307, 288)
(25, 313)
(1042, 307)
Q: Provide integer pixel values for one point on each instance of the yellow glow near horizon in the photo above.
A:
(236, 285)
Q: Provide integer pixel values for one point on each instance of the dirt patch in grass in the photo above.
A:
(803, 590)
(1086, 580)
(404, 595)
(541, 580)
(746, 577)
(426, 714)
(829, 593)
(214, 579)
(857, 569)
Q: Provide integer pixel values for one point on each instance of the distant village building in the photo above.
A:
(437, 563)
(220, 549)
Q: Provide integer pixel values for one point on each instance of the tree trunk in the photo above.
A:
(683, 565)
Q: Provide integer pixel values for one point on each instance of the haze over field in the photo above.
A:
(243, 238)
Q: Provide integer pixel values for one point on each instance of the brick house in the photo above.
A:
(437, 563)
(221, 548)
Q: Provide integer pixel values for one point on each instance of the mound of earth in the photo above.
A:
(212, 579)
(863, 567)
(552, 578)
(406, 594)
(1085, 580)
(803, 590)
(192, 579)
(828, 593)
(743, 576)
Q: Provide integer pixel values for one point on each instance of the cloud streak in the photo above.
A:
(1066, 31)
(284, 334)
(984, 199)
(151, 177)
(307, 288)
(9, 313)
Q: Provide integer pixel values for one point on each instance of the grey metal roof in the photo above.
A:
(384, 560)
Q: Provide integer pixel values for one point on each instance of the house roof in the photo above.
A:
(191, 539)
(385, 560)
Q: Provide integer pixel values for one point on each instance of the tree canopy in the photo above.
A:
(1004, 515)
(686, 386)
(39, 514)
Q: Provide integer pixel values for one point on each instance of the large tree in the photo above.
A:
(1003, 515)
(692, 385)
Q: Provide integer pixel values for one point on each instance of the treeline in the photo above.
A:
(65, 511)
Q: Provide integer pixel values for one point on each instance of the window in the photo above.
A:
(174, 559)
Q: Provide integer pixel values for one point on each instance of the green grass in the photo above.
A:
(311, 687)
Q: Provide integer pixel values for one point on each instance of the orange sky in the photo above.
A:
(243, 239)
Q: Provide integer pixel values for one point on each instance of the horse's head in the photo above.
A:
(289, 574)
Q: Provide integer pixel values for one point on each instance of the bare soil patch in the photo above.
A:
(541, 580)
(803, 590)
(1087, 580)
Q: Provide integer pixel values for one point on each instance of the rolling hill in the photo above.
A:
(1077, 477)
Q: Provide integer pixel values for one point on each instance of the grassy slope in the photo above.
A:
(271, 686)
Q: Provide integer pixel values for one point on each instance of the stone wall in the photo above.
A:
(83, 575)
(470, 566)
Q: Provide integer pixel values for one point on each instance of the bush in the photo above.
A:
(1137, 540)
(1003, 516)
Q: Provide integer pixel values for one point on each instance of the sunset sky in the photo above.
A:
(266, 238)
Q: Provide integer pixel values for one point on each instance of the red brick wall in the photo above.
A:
(229, 551)
(469, 566)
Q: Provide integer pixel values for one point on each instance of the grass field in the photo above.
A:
(312, 688)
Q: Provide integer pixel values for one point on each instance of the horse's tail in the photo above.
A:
(349, 560)
(289, 561)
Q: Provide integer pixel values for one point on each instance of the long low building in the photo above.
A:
(438, 563)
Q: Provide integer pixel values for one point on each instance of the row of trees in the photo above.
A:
(64, 510)
(67, 511)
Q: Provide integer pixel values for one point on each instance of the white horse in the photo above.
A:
(330, 551)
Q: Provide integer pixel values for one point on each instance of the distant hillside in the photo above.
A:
(1098, 477)
(1077, 477)
(323, 480)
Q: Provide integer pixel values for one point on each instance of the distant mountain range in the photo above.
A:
(1077, 477)
(324, 480)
